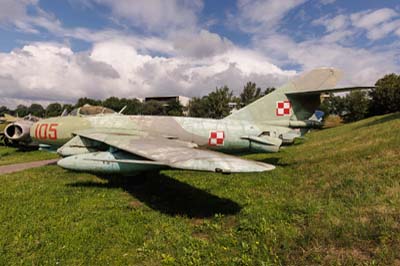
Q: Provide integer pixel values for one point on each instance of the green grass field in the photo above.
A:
(9, 155)
(334, 199)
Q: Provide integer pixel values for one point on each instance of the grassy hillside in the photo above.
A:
(334, 199)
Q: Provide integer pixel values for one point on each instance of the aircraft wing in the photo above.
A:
(154, 150)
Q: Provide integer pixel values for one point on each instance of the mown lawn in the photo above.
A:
(10, 155)
(334, 199)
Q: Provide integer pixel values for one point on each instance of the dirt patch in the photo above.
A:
(342, 254)
(8, 169)
(202, 236)
(135, 204)
(196, 221)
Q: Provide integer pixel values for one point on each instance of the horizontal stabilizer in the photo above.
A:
(264, 143)
(324, 90)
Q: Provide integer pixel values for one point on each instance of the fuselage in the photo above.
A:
(224, 135)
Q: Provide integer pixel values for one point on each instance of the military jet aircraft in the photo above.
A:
(16, 131)
(115, 143)
(12, 128)
(4, 121)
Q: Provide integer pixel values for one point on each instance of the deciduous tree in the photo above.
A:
(385, 98)
(250, 93)
(36, 110)
(356, 106)
(82, 101)
(21, 110)
(153, 108)
(53, 109)
(217, 102)
(197, 107)
(174, 108)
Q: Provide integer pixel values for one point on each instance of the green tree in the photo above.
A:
(268, 90)
(214, 105)
(133, 106)
(356, 106)
(197, 107)
(36, 110)
(217, 102)
(333, 105)
(351, 107)
(174, 108)
(385, 98)
(82, 101)
(153, 108)
(54, 109)
(4, 110)
(67, 107)
(21, 110)
(114, 103)
(250, 93)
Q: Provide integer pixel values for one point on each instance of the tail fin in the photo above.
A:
(10, 118)
(297, 100)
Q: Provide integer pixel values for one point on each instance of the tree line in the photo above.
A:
(359, 104)
(132, 107)
(356, 105)
(214, 105)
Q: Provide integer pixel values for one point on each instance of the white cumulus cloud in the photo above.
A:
(370, 19)
(174, 54)
(52, 72)
(263, 15)
(155, 15)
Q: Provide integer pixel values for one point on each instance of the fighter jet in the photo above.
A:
(120, 144)
(4, 121)
(22, 122)
(16, 131)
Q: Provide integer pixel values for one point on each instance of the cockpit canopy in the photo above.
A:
(91, 110)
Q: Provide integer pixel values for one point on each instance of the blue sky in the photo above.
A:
(62, 50)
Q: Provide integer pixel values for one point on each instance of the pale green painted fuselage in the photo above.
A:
(57, 131)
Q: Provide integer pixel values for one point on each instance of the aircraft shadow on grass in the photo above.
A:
(167, 195)
(274, 161)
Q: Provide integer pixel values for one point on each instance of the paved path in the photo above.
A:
(7, 169)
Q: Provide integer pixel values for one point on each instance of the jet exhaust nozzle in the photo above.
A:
(18, 131)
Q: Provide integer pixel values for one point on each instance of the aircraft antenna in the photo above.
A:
(123, 109)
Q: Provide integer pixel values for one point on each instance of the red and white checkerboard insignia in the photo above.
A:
(283, 108)
(216, 138)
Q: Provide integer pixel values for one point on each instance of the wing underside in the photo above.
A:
(318, 91)
(124, 153)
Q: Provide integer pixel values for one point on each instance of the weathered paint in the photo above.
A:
(148, 142)
(58, 131)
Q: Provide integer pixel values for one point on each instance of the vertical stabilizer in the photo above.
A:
(281, 104)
